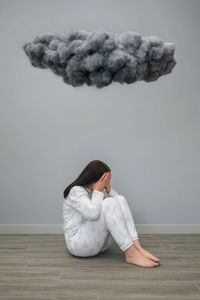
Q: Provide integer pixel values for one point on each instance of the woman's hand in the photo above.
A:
(108, 186)
(102, 182)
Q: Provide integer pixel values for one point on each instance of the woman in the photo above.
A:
(94, 213)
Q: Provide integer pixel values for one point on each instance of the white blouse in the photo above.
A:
(82, 204)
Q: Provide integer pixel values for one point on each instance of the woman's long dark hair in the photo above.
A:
(90, 174)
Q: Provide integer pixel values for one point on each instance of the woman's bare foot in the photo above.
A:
(133, 256)
(149, 255)
(145, 252)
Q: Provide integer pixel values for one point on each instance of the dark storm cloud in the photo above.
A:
(99, 58)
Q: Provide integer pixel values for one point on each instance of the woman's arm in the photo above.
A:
(90, 208)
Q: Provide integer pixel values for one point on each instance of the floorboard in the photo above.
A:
(41, 267)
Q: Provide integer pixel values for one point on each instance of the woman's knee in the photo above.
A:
(122, 199)
(109, 201)
(110, 204)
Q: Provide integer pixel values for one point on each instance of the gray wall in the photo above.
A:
(148, 133)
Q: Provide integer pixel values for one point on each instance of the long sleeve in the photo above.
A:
(112, 193)
(90, 208)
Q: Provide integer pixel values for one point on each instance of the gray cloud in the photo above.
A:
(99, 58)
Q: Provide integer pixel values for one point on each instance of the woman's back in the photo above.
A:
(72, 216)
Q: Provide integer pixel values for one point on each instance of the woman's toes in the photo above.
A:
(151, 265)
(149, 255)
(155, 258)
(155, 264)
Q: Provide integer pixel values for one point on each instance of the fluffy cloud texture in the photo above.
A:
(99, 58)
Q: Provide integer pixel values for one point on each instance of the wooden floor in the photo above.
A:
(40, 267)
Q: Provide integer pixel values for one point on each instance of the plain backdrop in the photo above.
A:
(148, 133)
